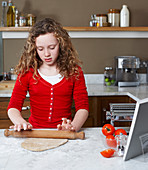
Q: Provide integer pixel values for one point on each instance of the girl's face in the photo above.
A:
(47, 48)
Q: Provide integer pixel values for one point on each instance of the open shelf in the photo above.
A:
(82, 32)
(26, 29)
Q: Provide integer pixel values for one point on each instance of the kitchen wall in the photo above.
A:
(95, 53)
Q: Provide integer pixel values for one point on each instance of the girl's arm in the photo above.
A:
(80, 97)
(16, 103)
(18, 121)
(79, 119)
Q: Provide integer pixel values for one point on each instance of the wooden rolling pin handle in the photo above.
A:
(6, 133)
(80, 135)
(45, 134)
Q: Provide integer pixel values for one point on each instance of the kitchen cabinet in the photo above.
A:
(98, 105)
(93, 112)
(104, 103)
(4, 120)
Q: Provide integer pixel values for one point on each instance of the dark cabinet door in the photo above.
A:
(4, 120)
(105, 106)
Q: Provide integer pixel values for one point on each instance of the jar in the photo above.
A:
(109, 77)
(5, 76)
(22, 21)
(114, 17)
(13, 76)
(101, 19)
(93, 21)
(30, 20)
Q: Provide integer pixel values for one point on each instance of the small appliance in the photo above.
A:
(126, 70)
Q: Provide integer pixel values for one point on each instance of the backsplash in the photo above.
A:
(99, 78)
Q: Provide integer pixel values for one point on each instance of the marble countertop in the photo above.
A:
(136, 93)
(74, 155)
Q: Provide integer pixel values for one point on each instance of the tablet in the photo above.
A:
(138, 128)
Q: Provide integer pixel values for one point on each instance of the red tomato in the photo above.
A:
(108, 129)
(119, 131)
(107, 153)
(111, 141)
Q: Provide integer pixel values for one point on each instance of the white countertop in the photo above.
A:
(136, 93)
(95, 87)
(74, 155)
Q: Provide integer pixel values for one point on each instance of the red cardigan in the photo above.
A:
(49, 103)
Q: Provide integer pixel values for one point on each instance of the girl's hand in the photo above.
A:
(19, 127)
(66, 125)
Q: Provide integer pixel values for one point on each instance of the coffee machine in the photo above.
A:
(126, 70)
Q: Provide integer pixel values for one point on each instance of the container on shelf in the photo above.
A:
(101, 20)
(16, 18)
(10, 15)
(93, 21)
(31, 20)
(124, 17)
(22, 21)
(3, 19)
(114, 17)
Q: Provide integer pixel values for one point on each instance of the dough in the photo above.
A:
(41, 144)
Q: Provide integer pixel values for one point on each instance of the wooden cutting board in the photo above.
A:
(7, 85)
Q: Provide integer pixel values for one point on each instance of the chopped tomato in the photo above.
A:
(107, 153)
(108, 129)
(111, 141)
(120, 131)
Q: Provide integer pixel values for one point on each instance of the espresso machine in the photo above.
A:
(126, 71)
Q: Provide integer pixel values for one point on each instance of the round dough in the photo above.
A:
(41, 144)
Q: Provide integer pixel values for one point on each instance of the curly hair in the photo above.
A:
(67, 62)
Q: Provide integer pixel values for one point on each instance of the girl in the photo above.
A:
(50, 71)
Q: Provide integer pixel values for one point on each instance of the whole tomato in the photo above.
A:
(119, 131)
(111, 141)
(107, 153)
(108, 129)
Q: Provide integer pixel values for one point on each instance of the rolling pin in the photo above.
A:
(45, 134)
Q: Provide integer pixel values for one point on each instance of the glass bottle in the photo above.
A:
(3, 20)
(10, 15)
(16, 18)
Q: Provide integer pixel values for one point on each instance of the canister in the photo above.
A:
(22, 21)
(101, 20)
(30, 20)
(114, 17)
